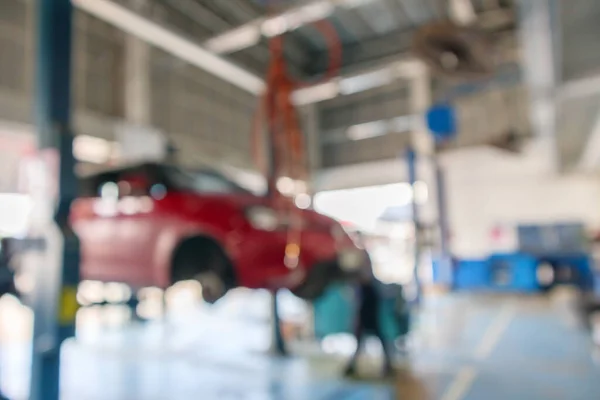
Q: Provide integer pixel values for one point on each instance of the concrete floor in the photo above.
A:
(464, 348)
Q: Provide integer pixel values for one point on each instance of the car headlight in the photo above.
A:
(263, 218)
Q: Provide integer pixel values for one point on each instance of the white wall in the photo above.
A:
(15, 142)
(487, 189)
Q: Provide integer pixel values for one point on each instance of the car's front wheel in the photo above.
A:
(213, 286)
(203, 260)
(318, 279)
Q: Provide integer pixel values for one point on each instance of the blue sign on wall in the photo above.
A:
(441, 121)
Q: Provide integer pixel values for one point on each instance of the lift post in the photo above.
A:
(57, 266)
(411, 158)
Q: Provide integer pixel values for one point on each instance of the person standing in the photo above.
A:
(368, 322)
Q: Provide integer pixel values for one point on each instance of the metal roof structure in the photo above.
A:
(229, 39)
(370, 30)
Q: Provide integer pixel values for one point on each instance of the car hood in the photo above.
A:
(313, 218)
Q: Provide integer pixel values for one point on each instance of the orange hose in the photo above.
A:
(284, 133)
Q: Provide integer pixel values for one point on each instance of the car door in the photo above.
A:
(136, 225)
(116, 228)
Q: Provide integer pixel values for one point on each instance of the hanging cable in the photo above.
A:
(287, 148)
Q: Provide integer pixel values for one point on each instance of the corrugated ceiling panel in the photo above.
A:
(206, 117)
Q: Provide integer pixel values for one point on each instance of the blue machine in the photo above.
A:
(514, 272)
(561, 247)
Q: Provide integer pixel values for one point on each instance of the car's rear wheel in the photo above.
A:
(203, 260)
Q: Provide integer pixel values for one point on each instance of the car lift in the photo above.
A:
(57, 265)
(286, 145)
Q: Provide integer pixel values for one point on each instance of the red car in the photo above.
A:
(154, 225)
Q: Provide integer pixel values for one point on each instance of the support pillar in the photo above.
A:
(540, 40)
(421, 151)
(57, 265)
(137, 81)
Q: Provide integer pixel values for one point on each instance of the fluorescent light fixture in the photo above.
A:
(170, 42)
(274, 26)
(316, 93)
(297, 17)
(353, 3)
(370, 80)
(237, 39)
(92, 149)
(368, 130)
(405, 123)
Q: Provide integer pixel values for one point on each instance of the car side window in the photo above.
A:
(132, 181)
(213, 184)
(93, 185)
(201, 181)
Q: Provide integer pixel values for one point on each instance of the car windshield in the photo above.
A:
(202, 181)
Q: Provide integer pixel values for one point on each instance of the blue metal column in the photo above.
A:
(445, 258)
(54, 301)
(441, 120)
(411, 158)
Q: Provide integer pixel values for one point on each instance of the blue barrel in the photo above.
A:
(335, 312)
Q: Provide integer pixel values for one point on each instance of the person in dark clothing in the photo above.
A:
(368, 323)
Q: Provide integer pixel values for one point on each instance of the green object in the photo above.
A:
(335, 311)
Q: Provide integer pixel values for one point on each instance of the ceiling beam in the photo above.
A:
(285, 21)
(156, 35)
(186, 50)
(397, 43)
(160, 37)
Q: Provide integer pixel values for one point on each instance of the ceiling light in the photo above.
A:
(404, 123)
(370, 80)
(316, 93)
(368, 130)
(274, 26)
(353, 3)
(235, 40)
(293, 19)
(92, 149)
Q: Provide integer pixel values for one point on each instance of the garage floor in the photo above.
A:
(464, 348)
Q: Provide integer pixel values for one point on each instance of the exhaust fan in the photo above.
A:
(454, 51)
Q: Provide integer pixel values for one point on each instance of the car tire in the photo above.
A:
(319, 278)
(213, 286)
(204, 261)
